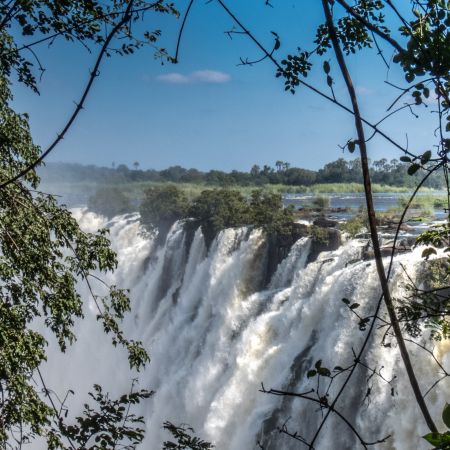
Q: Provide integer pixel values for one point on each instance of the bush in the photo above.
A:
(161, 207)
(267, 212)
(354, 225)
(321, 202)
(319, 235)
(109, 202)
(218, 209)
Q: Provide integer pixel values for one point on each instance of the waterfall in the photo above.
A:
(215, 331)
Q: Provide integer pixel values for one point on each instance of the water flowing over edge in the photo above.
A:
(215, 331)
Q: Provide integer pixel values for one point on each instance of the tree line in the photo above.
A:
(392, 173)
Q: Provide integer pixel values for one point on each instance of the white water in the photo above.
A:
(214, 335)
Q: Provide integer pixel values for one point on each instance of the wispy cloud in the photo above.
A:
(362, 90)
(199, 76)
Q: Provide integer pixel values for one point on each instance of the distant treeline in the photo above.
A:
(393, 173)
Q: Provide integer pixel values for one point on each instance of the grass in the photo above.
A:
(425, 202)
(135, 190)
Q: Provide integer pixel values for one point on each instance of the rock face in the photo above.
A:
(330, 240)
(279, 245)
(323, 222)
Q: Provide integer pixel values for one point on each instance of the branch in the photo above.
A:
(180, 34)
(309, 86)
(323, 404)
(94, 73)
(373, 227)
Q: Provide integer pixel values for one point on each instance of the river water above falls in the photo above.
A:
(216, 330)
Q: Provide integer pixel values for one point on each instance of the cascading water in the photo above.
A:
(215, 333)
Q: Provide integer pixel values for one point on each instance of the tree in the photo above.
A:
(254, 171)
(44, 253)
(161, 207)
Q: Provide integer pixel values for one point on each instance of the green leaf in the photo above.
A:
(446, 415)
(425, 157)
(439, 440)
(311, 373)
(405, 159)
(354, 306)
(413, 168)
(326, 67)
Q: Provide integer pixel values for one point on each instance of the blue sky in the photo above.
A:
(207, 112)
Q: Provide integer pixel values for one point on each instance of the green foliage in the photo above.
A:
(321, 202)
(161, 207)
(319, 234)
(109, 202)
(184, 439)
(424, 203)
(43, 252)
(106, 426)
(74, 20)
(354, 225)
(441, 441)
(428, 301)
(336, 176)
(267, 212)
(218, 209)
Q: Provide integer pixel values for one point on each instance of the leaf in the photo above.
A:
(324, 372)
(432, 438)
(409, 77)
(326, 67)
(277, 44)
(351, 146)
(318, 364)
(405, 159)
(438, 439)
(329, 81)
(413, 168)
(425, 157)
(346, 301)
(311, 373)
(446, 415)
(354, 306)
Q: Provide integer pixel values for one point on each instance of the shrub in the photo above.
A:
(319, 235)
(217, 209)
(321, 202)
(354, 225)
(161, 207)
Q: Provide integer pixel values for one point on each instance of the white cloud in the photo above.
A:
(175, 78)
(210, 76)
(199, 76)
(362, 90)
